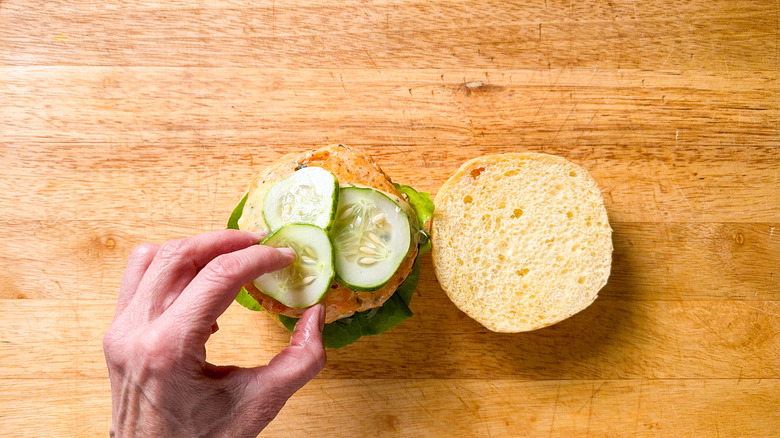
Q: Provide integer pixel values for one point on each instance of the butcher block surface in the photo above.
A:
(133, 121)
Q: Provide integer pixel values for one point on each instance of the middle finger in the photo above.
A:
(178, 261)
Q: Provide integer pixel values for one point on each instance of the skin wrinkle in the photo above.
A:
(161, 382)
(140, 259)
(177, 262)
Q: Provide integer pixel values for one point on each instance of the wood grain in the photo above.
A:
(135, 121)
(84, 259)
(638, 184)
(452, 107)
(398, 34)
(465, 407)
(609, 340)
(227, 133)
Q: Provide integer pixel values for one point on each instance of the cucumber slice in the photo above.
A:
(307, 279)
(371, 237)
(308, 196)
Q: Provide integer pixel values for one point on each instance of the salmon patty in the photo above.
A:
(350, 167)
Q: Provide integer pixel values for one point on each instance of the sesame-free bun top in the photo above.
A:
(521, 241)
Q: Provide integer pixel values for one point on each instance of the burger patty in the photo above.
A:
(350, 167)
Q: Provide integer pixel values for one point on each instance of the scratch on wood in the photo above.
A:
(777, 31)
(422, 393)
(564, 121)
(583, 130)
(667, 59)
(341, 77)
(544, 99)
(372, 60)
(138, 128)
(463, 402)
(764, 311)
(424, 406)
(592, 396)
(373, 390)
(590, 406)
(555, 409)
(46, 120)
(638, 407)
(341, 406)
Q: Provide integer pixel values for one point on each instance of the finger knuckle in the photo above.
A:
(111, 345)
(173, 251)
(142, 251)
(307, 364)
(273, 394)
(153, 349)
(268, 253)
(316, 359)
(222, 269)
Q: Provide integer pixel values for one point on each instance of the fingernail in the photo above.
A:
(287, 252)
(259, 235)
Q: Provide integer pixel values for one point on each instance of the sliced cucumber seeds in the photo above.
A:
(308, 196)
(371, 236)
(306, 280)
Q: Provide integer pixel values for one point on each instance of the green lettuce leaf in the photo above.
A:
(420, 201)
(373, 321)
(243, 297)
(236, 214)
(423, 207)
(370, 322)
(248, 301)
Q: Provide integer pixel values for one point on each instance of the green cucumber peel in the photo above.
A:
(373, 321)
(370, 322)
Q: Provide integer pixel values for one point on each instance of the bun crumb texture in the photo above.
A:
(521, 241)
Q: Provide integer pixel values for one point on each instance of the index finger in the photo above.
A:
(210, 293)
(178, 261)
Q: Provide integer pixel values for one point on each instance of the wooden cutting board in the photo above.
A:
(142, 121)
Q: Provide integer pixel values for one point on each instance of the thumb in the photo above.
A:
(298, 363)
(305, 357)
(267, 388)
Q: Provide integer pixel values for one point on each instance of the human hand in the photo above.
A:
(169, 301)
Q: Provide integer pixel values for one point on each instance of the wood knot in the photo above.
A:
(110, 243)
(391, 421)
(739, 238)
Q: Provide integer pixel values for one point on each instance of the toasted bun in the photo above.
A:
(350, 167)
(521, 241)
